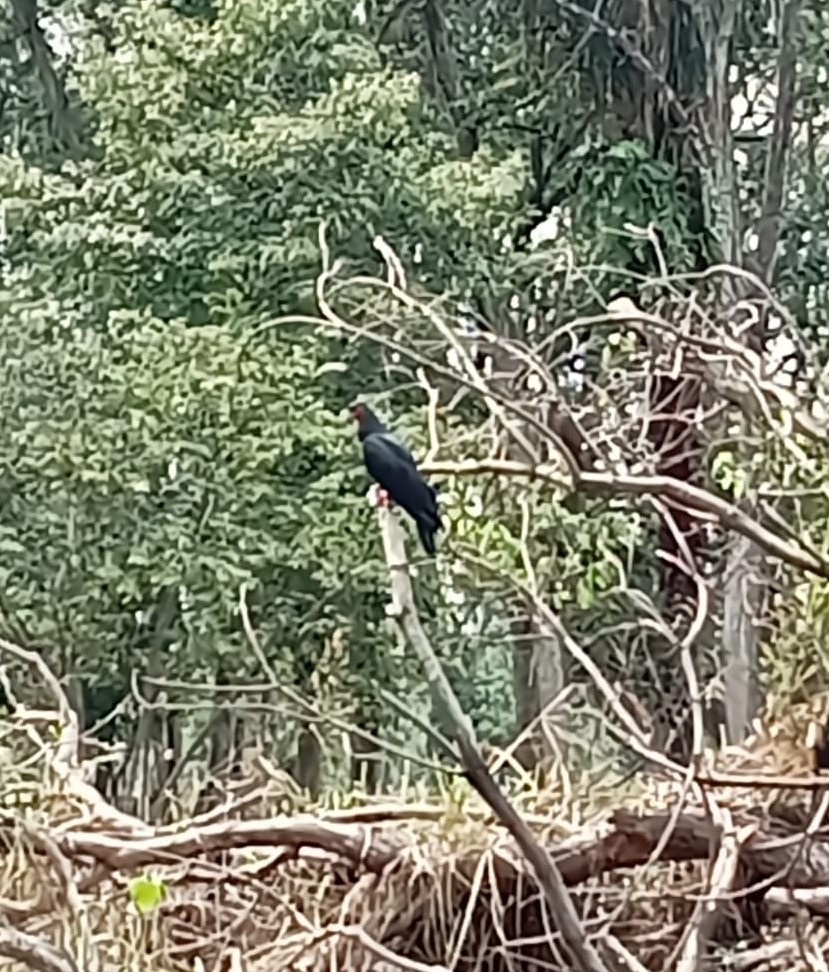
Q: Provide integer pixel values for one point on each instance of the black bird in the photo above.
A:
(391, 466)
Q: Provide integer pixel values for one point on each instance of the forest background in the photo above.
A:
(200, 205)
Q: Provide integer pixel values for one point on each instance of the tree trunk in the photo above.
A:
(307, 769)
(715, 24)
(741, 613)
(147, 764)
(538, 677)
(744, 587)
(367, 760)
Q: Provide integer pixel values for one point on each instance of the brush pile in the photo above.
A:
(727, 870)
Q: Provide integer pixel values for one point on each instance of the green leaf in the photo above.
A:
(147, 894)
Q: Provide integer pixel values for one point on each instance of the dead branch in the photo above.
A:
(63, 758)
(771, 854)
(389, 958)
(457, 725)
(761, 958)
(697, 500)
(786, 900)
(769, 857)
(358, 845)
(34, 952)
(723, 876)
(66, 754)
(762, 781)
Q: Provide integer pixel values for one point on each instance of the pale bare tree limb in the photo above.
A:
(360, 845)
(562, 913)
(723, 874)
(34, 952)
(66, 754)
(699, 501)
(63, 759)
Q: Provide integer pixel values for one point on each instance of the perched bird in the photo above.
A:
(391, 466)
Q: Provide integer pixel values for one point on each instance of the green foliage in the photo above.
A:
(149, 447)
(792, 471)
(151, 464)
(147, 894)
(623, 186)
(209, 209)
(796, 657)
(729, 474)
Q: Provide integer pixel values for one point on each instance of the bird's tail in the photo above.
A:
(426, 530)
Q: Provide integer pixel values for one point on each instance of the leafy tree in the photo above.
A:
(524, 168)
(160, 448)
(623, 124)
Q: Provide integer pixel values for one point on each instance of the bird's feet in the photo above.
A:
(379, 497)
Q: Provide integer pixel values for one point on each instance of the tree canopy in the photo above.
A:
(175, 177)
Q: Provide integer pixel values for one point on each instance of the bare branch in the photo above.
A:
(697, 500)
(66, 756)
(457, 725)
(358, 845)
(723, 875)
(63, 760)
(34, 952)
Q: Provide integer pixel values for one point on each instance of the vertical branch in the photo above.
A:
(54, 92)
(458, 727)
(742, 605)
(744, 583)
(702, 928)
(718, 19)
(768, 230)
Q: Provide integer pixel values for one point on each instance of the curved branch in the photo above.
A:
(64, 758)
(66, 754)
(359, 845)
(34, 952)
(773, 855)
(697, 500)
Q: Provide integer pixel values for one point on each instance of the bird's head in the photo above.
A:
(367, 421)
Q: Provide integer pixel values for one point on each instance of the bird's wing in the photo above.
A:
(387, 459)
(391, 465)
(395, 446)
